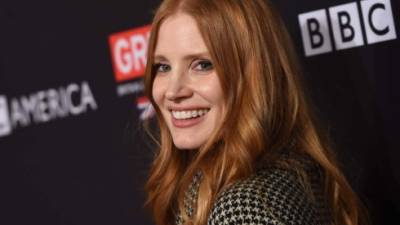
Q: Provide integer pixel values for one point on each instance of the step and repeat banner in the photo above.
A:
(72, 145)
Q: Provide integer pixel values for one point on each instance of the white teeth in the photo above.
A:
(181, 115)
(194, 113)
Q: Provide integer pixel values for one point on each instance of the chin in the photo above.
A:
(186, 146)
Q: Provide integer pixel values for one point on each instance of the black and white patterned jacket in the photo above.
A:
(273, 196)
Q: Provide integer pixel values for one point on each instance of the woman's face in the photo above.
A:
(186, 87)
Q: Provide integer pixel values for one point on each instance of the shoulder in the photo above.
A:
(271, 196)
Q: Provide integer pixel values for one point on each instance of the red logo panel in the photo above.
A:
(129, 52)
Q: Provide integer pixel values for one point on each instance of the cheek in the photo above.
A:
(213, 90)
(158, 91)
(216, 95)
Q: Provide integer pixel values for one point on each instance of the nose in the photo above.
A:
(178, 87)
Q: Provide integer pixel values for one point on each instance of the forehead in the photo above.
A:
(179, 35)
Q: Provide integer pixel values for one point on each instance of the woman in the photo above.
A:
(238, 143)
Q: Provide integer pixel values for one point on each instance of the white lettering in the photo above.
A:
(147, 110)
(377, 18)
(87, 98)
(315, 32)
(130, 88)
(44, 106)
(74, 109)
(123, 58)
(40, 113)
(346, 26)
(57, 104)
(5, 125)
(18, 114)
(139, 51)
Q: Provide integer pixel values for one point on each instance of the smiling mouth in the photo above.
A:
(189, 114)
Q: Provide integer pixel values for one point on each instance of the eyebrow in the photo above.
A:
(189, 57)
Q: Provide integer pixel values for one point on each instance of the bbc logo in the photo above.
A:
(346, 22)
(5, 125)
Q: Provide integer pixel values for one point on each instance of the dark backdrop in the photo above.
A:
(72, 150)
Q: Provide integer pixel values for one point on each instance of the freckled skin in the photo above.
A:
(185, 81)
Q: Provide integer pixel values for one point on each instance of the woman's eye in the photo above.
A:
(161, 67)
(204, 65)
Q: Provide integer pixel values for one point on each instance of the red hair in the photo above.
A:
(268, 111)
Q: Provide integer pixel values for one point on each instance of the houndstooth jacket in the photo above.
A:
(274, 195)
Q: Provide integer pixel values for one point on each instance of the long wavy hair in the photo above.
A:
(268, 111)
